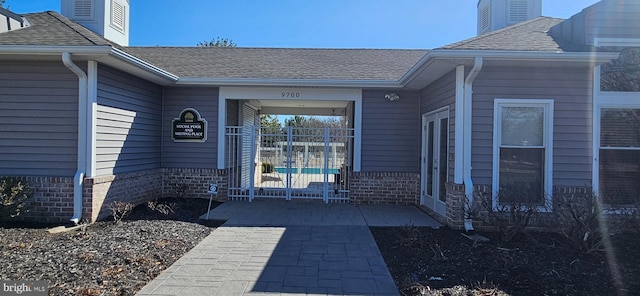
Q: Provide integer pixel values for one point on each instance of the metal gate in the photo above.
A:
(289, 163)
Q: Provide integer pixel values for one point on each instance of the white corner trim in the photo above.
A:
(92, 117)
(222, 126)
(459, 126)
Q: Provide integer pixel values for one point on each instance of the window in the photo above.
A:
(522, 152)
(619, 165)
(622, 74)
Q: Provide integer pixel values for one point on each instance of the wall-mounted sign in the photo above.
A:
(189, 127)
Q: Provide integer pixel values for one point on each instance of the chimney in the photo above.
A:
(107, 18)
(497, 14)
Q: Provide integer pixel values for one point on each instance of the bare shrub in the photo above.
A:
(14, 194)
(508, 218)
(163, 208)
(578, 217)
(120, 210)
(180, 189)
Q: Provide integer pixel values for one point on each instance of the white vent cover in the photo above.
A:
(118, 15)
(83, 9)
(518, 11)
(485, 19)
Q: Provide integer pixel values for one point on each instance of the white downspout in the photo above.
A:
(82, 133)
(468, 96)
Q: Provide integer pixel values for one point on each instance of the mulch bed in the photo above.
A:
(425, 261)
(105, 258)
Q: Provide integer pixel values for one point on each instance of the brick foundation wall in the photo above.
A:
(195, 182)
(392, 188)
(52, 199)
(137, 187)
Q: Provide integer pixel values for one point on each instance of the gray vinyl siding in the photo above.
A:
(39, 118)
(616, 19)
(128, 129)
(442, 93)
(390, 132)
(607, 19)
(191, 154)
(572, 131)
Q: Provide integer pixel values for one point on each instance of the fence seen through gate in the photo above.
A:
(289, 163)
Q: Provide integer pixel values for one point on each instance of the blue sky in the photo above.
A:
(407, 24)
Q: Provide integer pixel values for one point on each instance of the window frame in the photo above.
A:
(607, 100)
(548, 106)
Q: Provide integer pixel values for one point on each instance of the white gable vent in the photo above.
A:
(118, 15)
(485, 19)
(518, 11)
(83, 9)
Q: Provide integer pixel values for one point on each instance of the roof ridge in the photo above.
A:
(492, 33)
(67, 22)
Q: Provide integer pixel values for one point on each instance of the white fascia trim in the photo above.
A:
(54, 50)
(123, 56)
(290, 82)
(578, 57)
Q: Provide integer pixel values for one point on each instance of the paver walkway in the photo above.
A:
(283, 248)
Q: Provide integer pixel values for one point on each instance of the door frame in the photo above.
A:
(433, 201)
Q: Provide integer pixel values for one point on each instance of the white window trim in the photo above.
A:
(606, 100)
(547, 104)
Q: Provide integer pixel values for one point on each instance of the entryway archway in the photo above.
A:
(292, 161)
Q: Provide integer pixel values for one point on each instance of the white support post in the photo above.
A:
(326, 165)
(252, 163)
(289, 159)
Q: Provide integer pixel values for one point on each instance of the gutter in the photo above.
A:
(468, 115)
(78, 178)
(505, 55)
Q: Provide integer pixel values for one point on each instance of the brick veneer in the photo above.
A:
(384, 188)
(196, 182)
(52, 199)
(137, 187)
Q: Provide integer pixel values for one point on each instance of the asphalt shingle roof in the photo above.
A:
(51, 28)
(530, 35)
(281, 63)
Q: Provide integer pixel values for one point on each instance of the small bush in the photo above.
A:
(120, 210)
(267, 168)
(180, 189)
(578, 221)
(508, 218)
(163, 208)
(13, 196)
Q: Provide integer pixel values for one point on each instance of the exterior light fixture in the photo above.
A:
(392, 97)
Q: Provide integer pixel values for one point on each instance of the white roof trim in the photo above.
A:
(290, 82)
(488, 55)
(143, 64)
(57, 50)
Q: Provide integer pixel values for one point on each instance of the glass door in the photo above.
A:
(435, 151)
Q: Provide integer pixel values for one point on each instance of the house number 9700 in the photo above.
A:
(290, 94)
